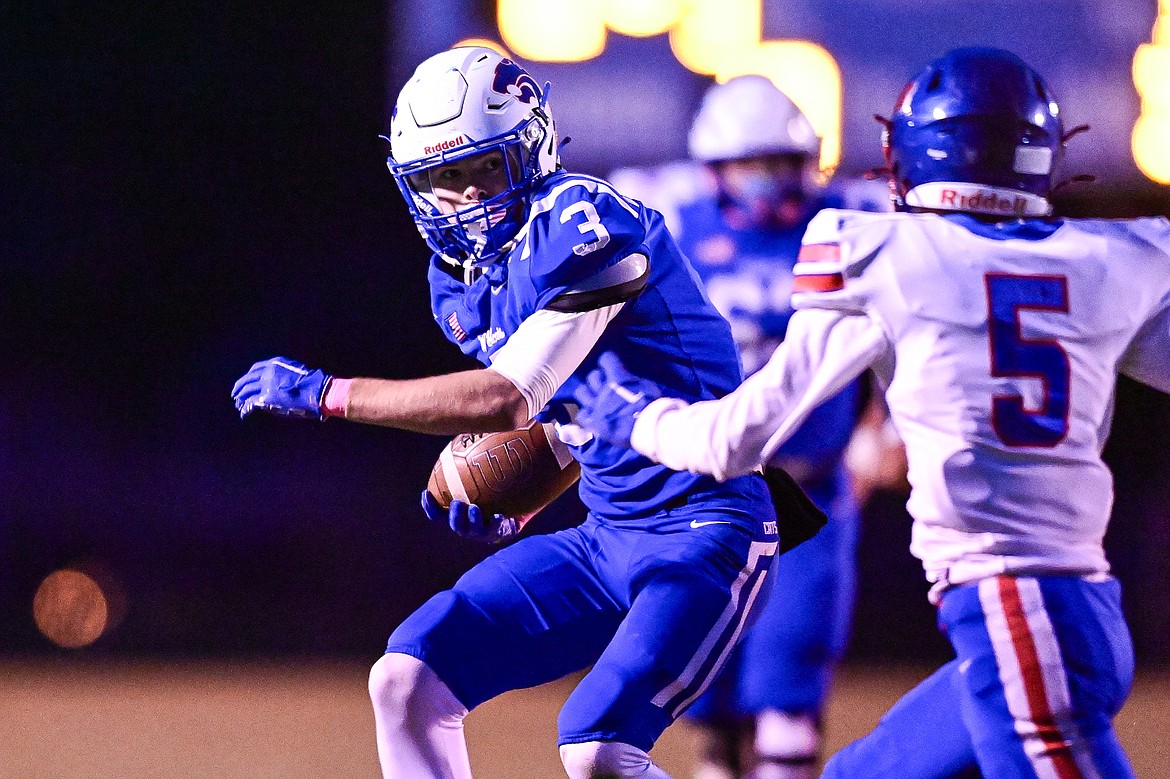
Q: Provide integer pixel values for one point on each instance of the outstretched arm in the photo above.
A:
(470, 401)
(525, 372)
(475, 401)
(823, 351)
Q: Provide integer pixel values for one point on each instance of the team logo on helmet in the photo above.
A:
(513, 80)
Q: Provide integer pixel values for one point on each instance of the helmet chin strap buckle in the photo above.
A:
(473, 265)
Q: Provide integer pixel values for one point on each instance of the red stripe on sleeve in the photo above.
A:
(824, 282)
(820, 252)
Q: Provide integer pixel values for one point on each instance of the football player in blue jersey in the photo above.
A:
(998, 331)
(743, 238)
(536, 271)
(741, 210)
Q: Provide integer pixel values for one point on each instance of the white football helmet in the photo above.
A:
(462, 102)
(748, 117)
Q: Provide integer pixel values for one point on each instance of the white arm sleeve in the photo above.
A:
(546, 348)
(822, 352)
(549, 345)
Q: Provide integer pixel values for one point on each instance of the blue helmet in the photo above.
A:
(977, 130)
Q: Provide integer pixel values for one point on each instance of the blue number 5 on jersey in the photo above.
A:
(1013, 355)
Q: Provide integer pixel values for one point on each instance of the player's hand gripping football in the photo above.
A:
(469, 521)
(611, 399)
(283, 387)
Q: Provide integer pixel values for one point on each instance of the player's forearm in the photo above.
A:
(734, 435)
(687, 437)
(467, 402)
(726, 437)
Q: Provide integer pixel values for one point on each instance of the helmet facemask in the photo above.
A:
(768, 191)
(479, 233)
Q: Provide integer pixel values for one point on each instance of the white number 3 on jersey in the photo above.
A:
(592, 224)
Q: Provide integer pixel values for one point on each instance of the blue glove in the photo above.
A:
(467, 520)
(283, 387)
(611, 399)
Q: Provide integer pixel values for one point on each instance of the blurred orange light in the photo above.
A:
(721, 38)
(1151, 73)
(641, 18)
(1151, 78)
(712, 30)
(71, 609)
(552, 30)
(1150, 150)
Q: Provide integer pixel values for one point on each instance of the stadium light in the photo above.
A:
(1150, 151)
(720, 38)
(552, 30)
(711, 31)
(1151, 77)
(1151, 74)
(642, 18)
(71, 609)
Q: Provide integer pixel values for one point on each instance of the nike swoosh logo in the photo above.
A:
(697, 523)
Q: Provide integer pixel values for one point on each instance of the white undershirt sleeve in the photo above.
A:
(546, 348)
(553, 342)
(822, 351)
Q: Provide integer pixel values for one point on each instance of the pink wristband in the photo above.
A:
(336, 398)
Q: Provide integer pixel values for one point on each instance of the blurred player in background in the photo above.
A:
(740, 210)
(998, 331)
(535, 272)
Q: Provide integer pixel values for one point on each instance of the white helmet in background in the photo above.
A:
(459, 103)
(749, 117)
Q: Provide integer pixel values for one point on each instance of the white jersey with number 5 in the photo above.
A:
(999, 347)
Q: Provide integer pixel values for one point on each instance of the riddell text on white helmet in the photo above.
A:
(450, 143)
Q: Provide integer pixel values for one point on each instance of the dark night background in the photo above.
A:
(188, 190)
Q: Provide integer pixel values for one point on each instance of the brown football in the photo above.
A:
(515, 473)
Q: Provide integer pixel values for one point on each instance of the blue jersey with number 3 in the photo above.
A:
(579, 226)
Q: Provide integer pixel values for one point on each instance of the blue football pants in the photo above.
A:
(785, 661)
(1042, 666)
(655, 606)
